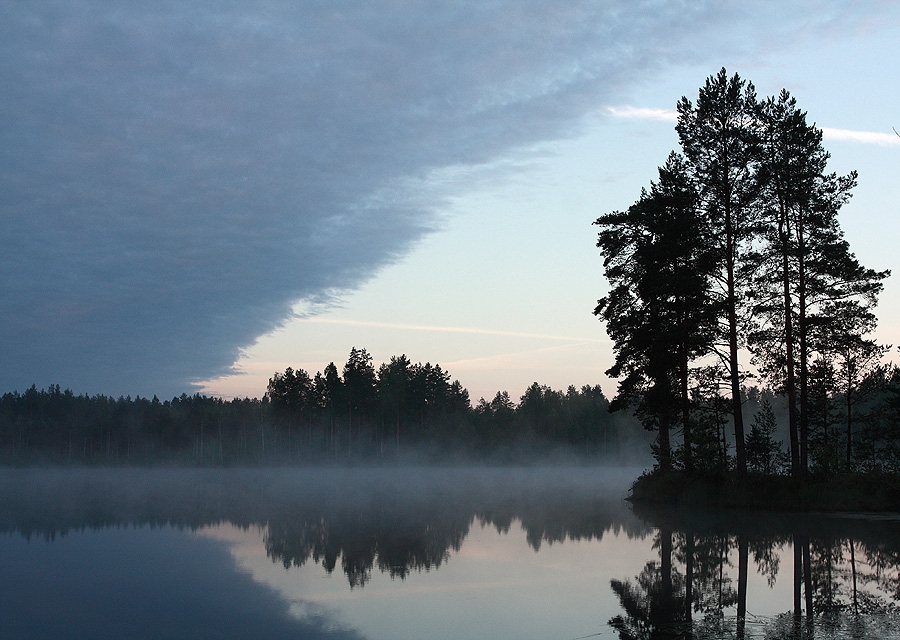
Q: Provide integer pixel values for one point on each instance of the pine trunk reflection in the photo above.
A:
(844, 583)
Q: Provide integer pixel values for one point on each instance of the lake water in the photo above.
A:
(419, 553)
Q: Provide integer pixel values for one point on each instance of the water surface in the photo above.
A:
(413, 553)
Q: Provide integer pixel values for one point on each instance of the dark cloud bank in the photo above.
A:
(173, 176)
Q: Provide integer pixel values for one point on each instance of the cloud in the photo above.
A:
(643, 113)
(845, 135)
(442, 329)
(175, 176)
(865, 137)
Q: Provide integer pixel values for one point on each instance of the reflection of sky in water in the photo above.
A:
(496, 586)
(138, 583)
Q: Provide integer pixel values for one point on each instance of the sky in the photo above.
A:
(194, 196)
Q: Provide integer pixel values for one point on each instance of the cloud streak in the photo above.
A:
(643, 113)
(440, 329)
(864, 137)
(175, 176)
(843, 135)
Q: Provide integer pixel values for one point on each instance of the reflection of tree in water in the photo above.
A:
(654, 602)
(664, 599)
(400, 533)
(395, 540)
(845, 577)
(883, 560)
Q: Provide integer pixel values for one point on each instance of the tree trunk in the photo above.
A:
(849, 422)
(686, 412)
(803, 330)
(790, 381)
(665, 445)
(733, 363)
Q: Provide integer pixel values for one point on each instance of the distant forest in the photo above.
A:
(363, 413)
(358, 412)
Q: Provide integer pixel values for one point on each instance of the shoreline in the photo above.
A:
(856, 492)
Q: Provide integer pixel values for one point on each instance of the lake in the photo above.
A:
(422, 553)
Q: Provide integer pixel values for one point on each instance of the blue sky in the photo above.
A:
(195, 196)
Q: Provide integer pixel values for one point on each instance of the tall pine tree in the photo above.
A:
(811, 294)
(721, 142)
(657, 311)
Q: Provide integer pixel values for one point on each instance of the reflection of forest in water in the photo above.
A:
(844, 573)
(392, 520)
(843, 570)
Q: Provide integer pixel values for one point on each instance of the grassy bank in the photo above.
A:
(850, 492)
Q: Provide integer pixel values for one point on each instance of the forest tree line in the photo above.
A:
(333, 416)
(357, 412)
(737, 249)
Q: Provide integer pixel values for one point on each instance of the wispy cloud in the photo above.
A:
(643, 113)
(444, 329)
(670, 115)
(864, 137)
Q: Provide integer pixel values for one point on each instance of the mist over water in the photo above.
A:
(48, 502)
(451, 552)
